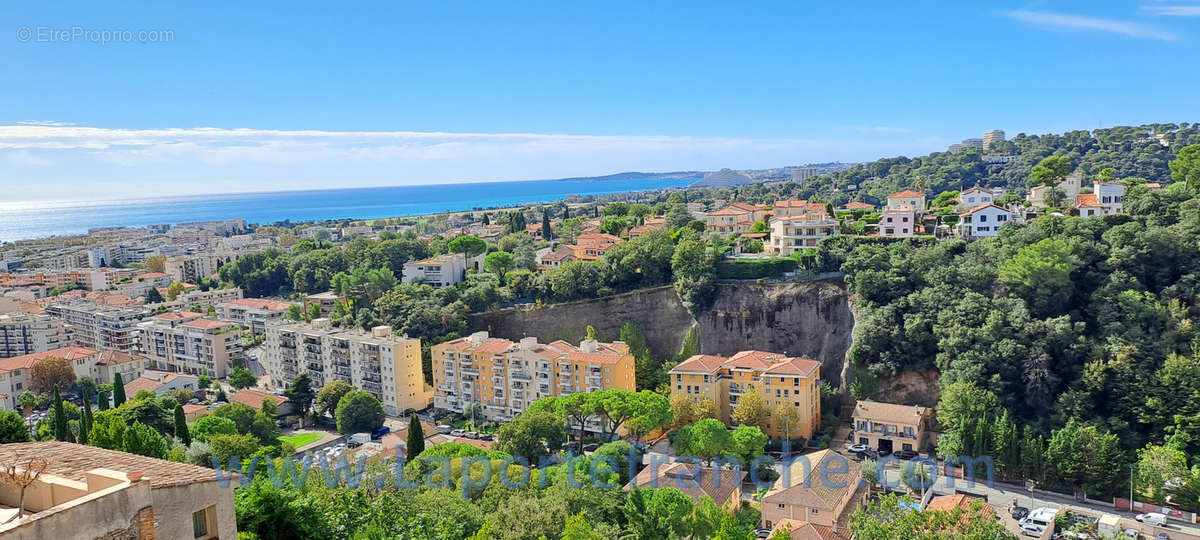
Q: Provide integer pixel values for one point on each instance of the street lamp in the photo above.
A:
(1131, 487)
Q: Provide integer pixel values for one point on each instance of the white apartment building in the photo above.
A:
(379, 361)
(440, 271)
(187, 342)
(983, 221)
(211, 297)
(190, 268)
(99, 327)
(1110, 196)
(789, 235)
(252, 313)
(16, 373)
(23, 333)
(899, 222)
(992, 136)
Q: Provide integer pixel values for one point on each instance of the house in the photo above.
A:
(191, 413)
(111, 362)
(327, 301)
(950, 503)
(983, 221)
(889, 427)
(782, 381)
(724, 486)
(92, 492)
(915, 199)
(161, 382)
(1088, 206)
(820, 488)
(558, 257)
(856, 205)
(799, 225)
(16, 373)
(735, 217)
(1110, 196)
(443, 270)
(975, 196)
(1070, 186)
(803, 530)
(898, 222)
(254, 399)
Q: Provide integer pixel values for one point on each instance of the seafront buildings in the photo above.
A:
(379, 361)
(506, 376)
(187, 342)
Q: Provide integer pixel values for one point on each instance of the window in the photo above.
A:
(982, 218)
(678, 377)
(200, 523)
(782, 506)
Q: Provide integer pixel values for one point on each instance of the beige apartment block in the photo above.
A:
(24, 333)
(252, 313)
(99, 327)
(187, 342)
(379, 361)
(507, 376)
(889, 427)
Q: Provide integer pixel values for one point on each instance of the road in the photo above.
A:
(1000, 497)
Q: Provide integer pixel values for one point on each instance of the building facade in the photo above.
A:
(900, 222)
(507, 376)
(252, 313)
(983, 221)
(16, 373)
(888, 427)
(187, 342)
(783, 382)
(98, 327)
(908, 197)
(23, 333)
(379, 361)
(792, 234)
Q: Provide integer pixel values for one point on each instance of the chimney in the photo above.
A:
(588, 345)
(529, 343)
(478, 337)
(381, 331)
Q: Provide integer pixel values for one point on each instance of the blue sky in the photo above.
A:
(324, 94)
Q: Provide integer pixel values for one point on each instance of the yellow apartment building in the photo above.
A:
(507, 376)
(782, 380)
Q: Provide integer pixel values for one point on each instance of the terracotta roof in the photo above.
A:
(259, 303)
(981, 207)
(110, 357)
(767, 362)
(189, 409)
(855, 205)
(803, 530)
(793, 366)
(753, 359)
(811, 482)
(1086, 200)
(889, 412)
(206, 324)
(906, 193)
(153, 275)
(493, 346)
(745, 206)
(974, 189)
(593, 358)
(254, 398)
(27, 361)
(755, 235)
(705, 363)
(178, 315)
(694, 481)
(142, 383)
(72, 461)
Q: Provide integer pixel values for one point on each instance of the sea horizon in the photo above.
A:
(27, 220)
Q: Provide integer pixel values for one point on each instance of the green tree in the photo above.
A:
(28, 401)
(1186, 167)
(469, 244)
(153, 296)
(499, 263)
(654, 514)
(301, 394)
(174, 289)
(749, 442)
(415, 443)
(751, 409)
(577, 527)
(547, 231)
(118, 390)
(51, 372)
(532, 434)
(1051, 170)
(329, 396)
(60, 419)
(1085, 457)
(240, 378)
(1041, 273)
(143, 440)
(694, 272)
(891, 517)
(181, 429)
(212, 424)
(359, 411)
(705, 439)
(1158, 467)
(12, 428)
(294, 313)
(224, 447)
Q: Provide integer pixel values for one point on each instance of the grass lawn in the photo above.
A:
(301, 439)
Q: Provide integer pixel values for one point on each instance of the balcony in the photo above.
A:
(520, 376)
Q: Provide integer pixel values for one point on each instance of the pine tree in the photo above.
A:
(60, 418)
(85, 421)
(181, 429)
(118, 391)
(416, 438)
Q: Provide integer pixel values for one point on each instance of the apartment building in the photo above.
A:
(888, 427)
(190, 268)
(252, 313)
(820, 489)
(16, 372)
(983, 221)
(989, 137)
(507, 376)
(187, 342)
(328, 301)
(379, 361)
(800, 232)
(441, 271)
(24, 333)
(782, 380)
(736, 217)
(908, 197)
(100, 327)
(92, 492)
(109, 363)
(195, 296)
(899, 222)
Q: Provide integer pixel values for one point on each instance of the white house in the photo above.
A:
(983, 221)
(1110, 196)
(970, 198)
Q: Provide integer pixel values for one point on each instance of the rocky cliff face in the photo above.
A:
(810, 319)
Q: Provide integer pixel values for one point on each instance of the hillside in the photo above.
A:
(723, 178)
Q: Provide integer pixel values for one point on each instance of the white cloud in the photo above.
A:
(1081, 23)
(1173, 10)
(56, 161)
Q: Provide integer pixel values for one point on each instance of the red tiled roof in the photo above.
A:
(706, 363)
(745, 206)
(254, 398)
(178, 315)
(981, 207)
(189, 409)
(593, 358)
(259, 303)
(153, 275)
(110, 357)
(493, 346)
(142, 383)
(803, 530)
(906, 193)
(1086, 200)
(72, 461)
(694, 483)
(206, 324)
(27, 361)
(855, 205)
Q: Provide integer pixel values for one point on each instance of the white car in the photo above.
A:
(1153, 518)
(1037, 521)
(857, 448)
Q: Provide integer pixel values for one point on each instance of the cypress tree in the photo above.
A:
(566, 212)
(486, 220)
(118, 391)
(181, 429)
(103, 397)
(416, 438)
(547, 232)
(60, 418)
(85, 422)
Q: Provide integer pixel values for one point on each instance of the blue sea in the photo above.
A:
(19, 221)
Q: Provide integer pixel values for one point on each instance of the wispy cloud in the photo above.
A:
(1080, 23)
(54, 161)
(1172, 10)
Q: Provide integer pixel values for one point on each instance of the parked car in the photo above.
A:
(762, 533)
(592, 447)
(1152, 518)
(1162, 536)
(458, 433)
(486, 436)
(472, 434)
(1018, 512)
(1132, 533)
(443, 428)
(905, 454)
(1037, 521)
(857, 448)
